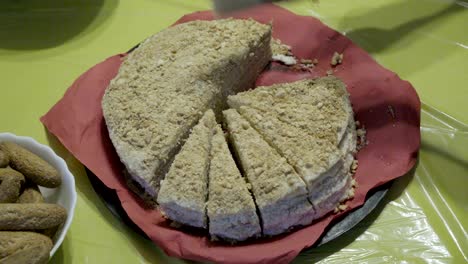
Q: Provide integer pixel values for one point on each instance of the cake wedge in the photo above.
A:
(231, 209)
(280, 193)
(320, 107)
(184, 191)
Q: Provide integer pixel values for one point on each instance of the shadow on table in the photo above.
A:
(32, 25)
(444, 152)
(187, 5)
(394, 25)
(383, 38)
(314, 255)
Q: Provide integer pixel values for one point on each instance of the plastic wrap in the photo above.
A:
(401, 234)
(419, 221)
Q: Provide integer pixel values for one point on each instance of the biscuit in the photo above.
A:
(10, 185)
(31, 216)
(4, 160)
(38, 254)
(24, 247)
(31, 194)
(31, 165)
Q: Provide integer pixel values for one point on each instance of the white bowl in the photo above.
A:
(64, 195)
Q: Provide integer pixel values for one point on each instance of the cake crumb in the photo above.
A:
(297, 67)
(278, 48)
(315, 61)
(329, 72)
(354, 166)
(342, 207)
(336, 59)
(351, 193)
(361, 138)
(306, 64)
(354, 183)
(287, 60)
(360, 132)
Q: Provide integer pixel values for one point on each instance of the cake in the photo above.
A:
(231, 210)
(311, 124)
(183, 193)
(280, 193)
(165, 85)
(290, 146)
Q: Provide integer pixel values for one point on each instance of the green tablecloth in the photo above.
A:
(45, 45)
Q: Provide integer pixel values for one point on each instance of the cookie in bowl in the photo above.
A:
(41, 199)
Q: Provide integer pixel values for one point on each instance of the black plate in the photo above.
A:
(112, 202)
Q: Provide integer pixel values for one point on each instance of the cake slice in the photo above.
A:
(280, 194)
(310, 156)
(184, 191)
(319, 107)
(165, 85)
(311, 124)
(231, 209)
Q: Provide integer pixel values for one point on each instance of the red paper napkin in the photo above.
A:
(388, 107)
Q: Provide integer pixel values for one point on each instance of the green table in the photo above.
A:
(45, 45)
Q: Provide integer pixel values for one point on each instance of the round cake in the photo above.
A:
(212, 154)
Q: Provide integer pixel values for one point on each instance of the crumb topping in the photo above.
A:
(228, 191)
(150, 113)
(271, 177)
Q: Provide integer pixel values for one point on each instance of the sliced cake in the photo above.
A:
(311, 124)
(231, 209)
(280, 194)
(184, 191)
(319, 107)
(165, 85)
(310, 157)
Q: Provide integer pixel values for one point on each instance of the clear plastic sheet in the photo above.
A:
(423, 219)
(411, 236)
